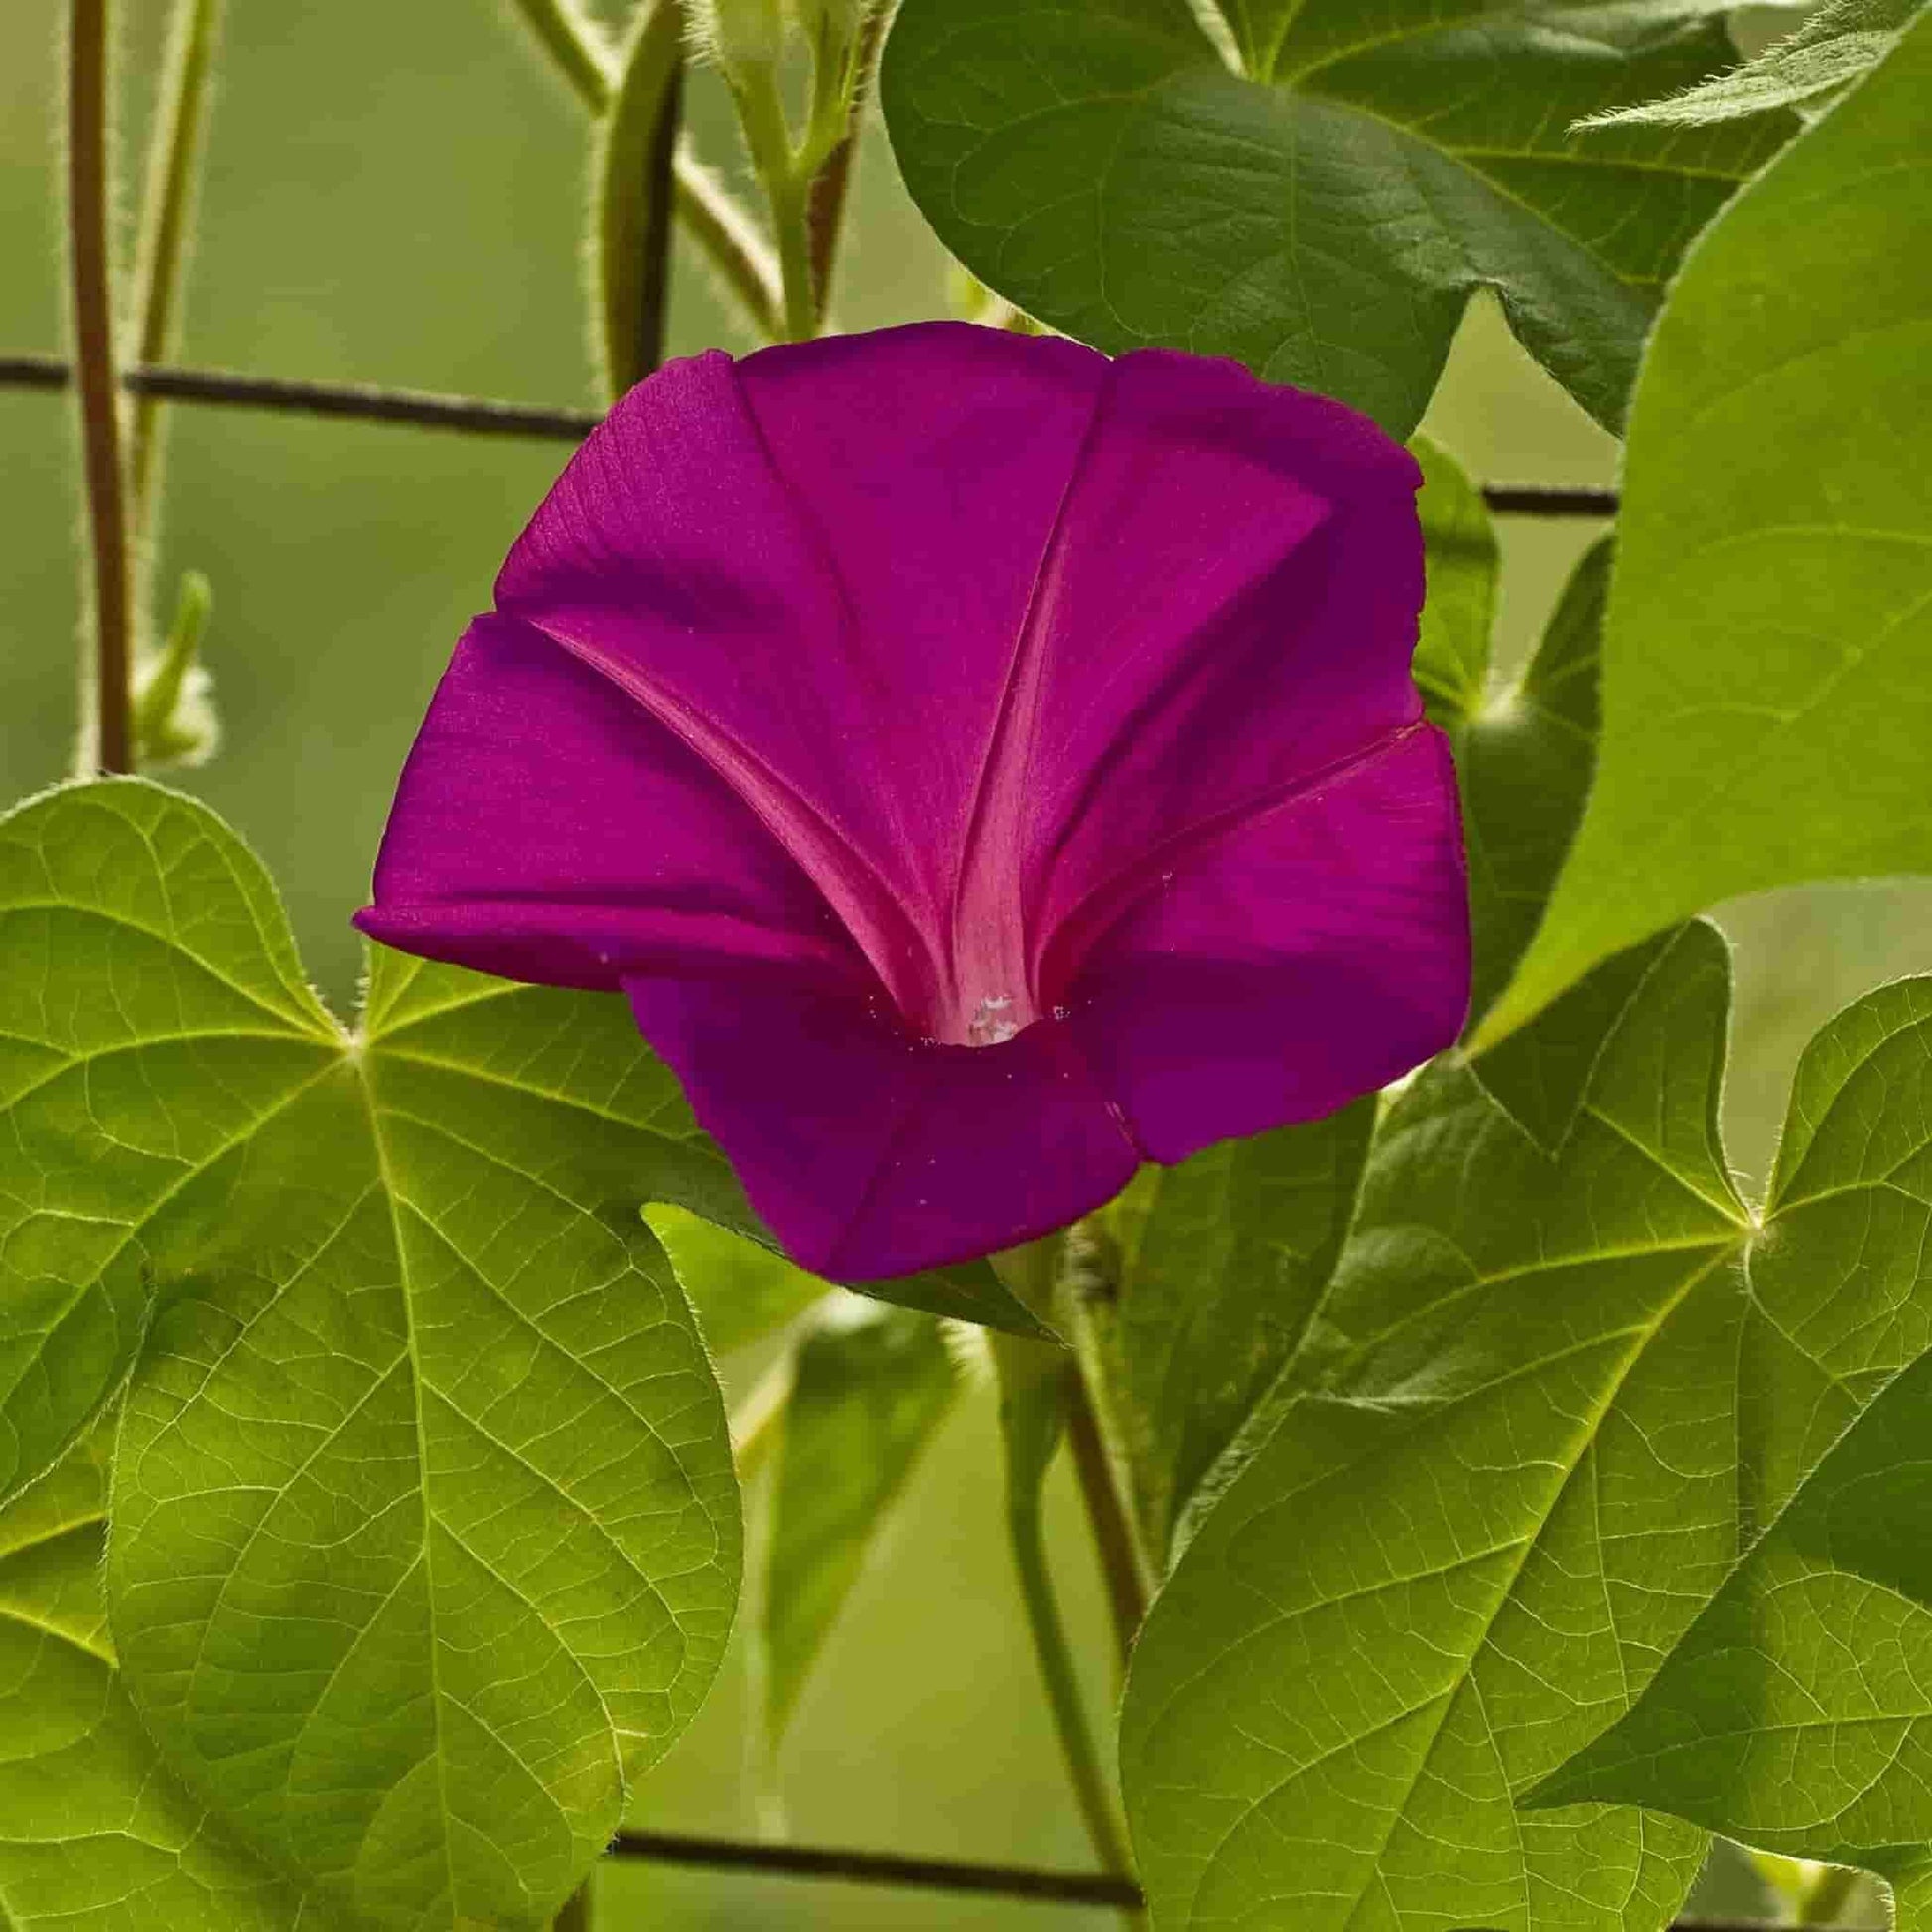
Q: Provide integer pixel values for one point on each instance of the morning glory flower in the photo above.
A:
(984, 767)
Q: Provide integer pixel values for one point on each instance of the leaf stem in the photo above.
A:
(1035, 1381)
(168, 207)
(106, 678)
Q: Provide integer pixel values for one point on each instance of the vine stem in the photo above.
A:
(101, 433)
(168, 206)
(584, 56)
(1120, 1560)
(826, 200)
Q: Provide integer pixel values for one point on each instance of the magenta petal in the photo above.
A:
(1312, 955)
(980, 762)
(545, 830)
(873, 1155)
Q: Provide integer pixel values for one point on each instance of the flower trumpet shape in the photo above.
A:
(983, 766)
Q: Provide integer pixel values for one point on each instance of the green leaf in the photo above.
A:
(1793, 1712)
(1452, 661)
(1767, 654)
(1523, 755)
(96, 1836)
(1524, 763)
(1807, 70)
(1325, 216)
(873, 1385)
(1218, 1266)
(1501, 1483)
(738, 1289)
(425, 1528)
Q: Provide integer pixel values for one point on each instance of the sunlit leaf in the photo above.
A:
(96, 1836)
(1325, 214)
(1767, 652)
(425, 1529)
(1501, 1482)
(1793, 1713)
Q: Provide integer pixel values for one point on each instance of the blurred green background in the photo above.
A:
(393, 194)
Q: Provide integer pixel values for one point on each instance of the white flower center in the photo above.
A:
(992, 1020)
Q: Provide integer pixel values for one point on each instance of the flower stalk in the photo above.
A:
(106, 677)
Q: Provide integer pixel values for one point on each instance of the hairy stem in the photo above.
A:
(168, 206)
(635, 198)
(106, 677)
(732, 244)
(709, 210)
(577, 47)
(832, 186)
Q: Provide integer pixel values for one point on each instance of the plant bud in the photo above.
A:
(175, 720)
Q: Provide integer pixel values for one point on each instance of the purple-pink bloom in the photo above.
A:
(984, 767)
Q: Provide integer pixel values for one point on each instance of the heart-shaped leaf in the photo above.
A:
(96, 1835)
(1793, 1711)
(1324, 214)
(1500, 1482)
(425, 1533)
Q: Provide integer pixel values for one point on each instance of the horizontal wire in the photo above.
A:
(941, 1874)
(483, 416)
(878, 1868)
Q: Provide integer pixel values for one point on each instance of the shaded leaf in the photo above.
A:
(1767, 653)
(1807, 70)
(1524, 756)
(425, 1530)
(96, 1836)
(1218, 1265)
(1500, 1482)
(873, 1385)
(1325, 216)
(1452, 661)
(1525, 763)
